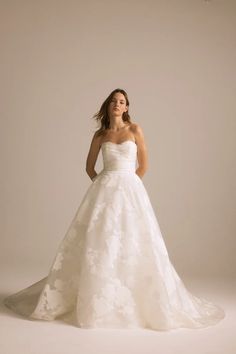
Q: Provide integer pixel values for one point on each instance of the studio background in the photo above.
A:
(176, 60)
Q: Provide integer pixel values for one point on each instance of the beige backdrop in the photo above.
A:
(176, 59)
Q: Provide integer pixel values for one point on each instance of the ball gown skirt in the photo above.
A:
(112, 269)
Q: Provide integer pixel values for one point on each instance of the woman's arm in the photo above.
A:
(92, 156)
(142, 155)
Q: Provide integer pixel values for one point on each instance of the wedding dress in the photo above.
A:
(112, 268)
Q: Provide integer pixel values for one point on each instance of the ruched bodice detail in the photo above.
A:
(119, 157)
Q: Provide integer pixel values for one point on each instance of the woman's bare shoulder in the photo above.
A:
(98, 136)
(135, 127)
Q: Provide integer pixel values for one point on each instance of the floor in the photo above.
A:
(21, 336)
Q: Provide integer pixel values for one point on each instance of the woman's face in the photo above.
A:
(117, 105)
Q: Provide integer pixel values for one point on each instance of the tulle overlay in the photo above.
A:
(112, 268)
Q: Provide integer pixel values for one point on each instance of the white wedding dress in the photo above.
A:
(112, 269)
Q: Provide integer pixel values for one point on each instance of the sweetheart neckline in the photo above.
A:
(111, 142)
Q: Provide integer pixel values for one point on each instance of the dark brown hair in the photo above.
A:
(102, 115)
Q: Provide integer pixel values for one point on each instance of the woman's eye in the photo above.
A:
(113, 101)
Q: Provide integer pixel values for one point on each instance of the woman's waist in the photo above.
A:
(120, 166)
(119, 169)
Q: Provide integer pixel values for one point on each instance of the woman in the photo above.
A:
(112, 269)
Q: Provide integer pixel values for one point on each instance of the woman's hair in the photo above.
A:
(102, 115)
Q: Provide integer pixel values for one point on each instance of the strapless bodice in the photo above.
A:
(119, 157)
